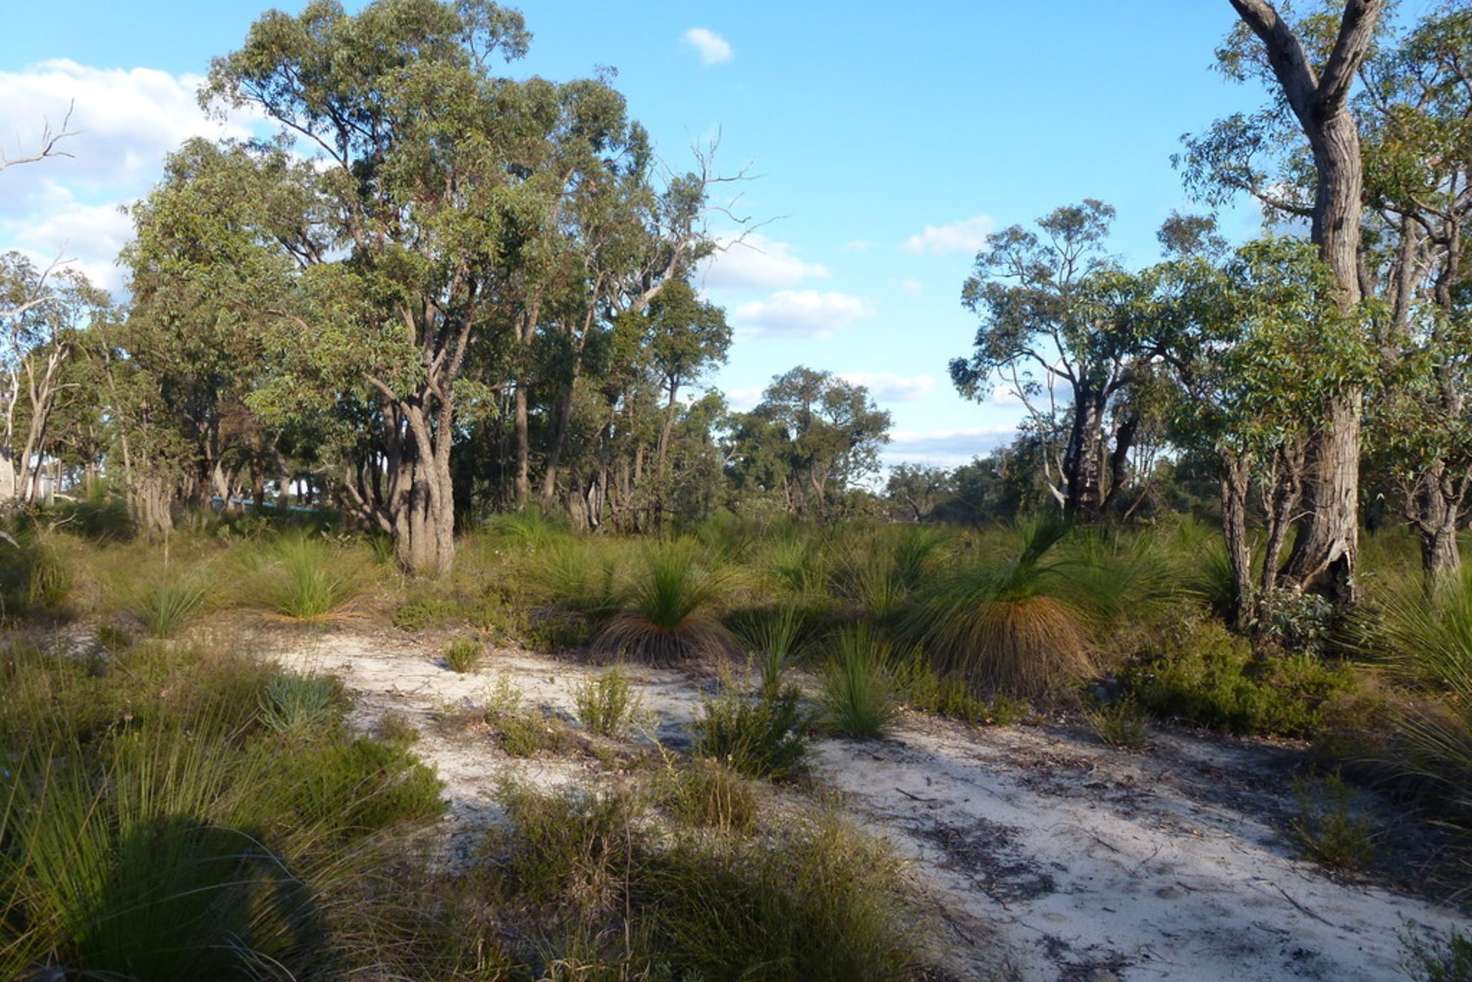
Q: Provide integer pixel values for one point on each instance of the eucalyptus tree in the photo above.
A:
(1057, 313)
(812, 438)
(44, 315)
(919, 487)
(1300, 157)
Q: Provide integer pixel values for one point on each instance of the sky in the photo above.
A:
(882, 145)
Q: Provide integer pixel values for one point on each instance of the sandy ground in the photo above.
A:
(1043, 854)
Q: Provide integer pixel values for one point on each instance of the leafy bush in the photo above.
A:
(296, 703)
(607, 704)
(761, 738)
(670, 614)
(522, 731)
(357, 787)
(463, 654)
(1204, 675)
(857, 693)
(420, 613)
(1120, 724)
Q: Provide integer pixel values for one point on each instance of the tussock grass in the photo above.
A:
(295, 703)
(773, 639)
(302, 578)
(706, 794)
(857, 690)
(670, 613)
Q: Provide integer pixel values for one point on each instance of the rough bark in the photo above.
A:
(1234, 483)
(1327, 546)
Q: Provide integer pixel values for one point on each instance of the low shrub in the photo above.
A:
(422, 613)
(1202, 674)
(857, 693)
(919, 686)
(1438, 958)
(758, 738)
(607, 704)
(521, 731)
(463, 654)
(356, 787)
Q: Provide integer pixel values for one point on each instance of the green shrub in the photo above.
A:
(357, 787)
(421, 613)
(1328, 829)
(1204, 675)
(918, 686)
(463, 654)
(167, 605)
(761, 738)
(522, 731)
(857, 693)
(1120, 724)
(297, 703)
(607, 704)
(670, 614)
(577, 845)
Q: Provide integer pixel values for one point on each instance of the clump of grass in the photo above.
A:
(705, 794)
(295, 703)
(168, 604)
(1328, 830)
(575, 846)
(301, 579)
(607, 704)
(670, 613)
(1015, 628)
(581, 577)
(463, 655)
(857, 692)
(1120, 724)
(921, 688)
(773, 639)
(758, 738)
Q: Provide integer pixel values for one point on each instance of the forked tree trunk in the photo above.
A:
(1327, 547)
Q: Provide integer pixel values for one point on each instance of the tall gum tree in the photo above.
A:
(1312, 69)
(423, 196)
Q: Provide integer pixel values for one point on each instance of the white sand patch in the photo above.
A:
(1042, 851)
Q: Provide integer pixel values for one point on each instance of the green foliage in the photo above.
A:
(421, 613)
(464, 654)
(1017, 628)
(166, 605)
(301, 580)
(295, 703)
(1120, 724)
(857, 692)
(671, 611)
(581, 577)
(706, 794)
(758, 738)
(35, 577)
(1441, 958)
(1328, 829)
(356, 787)
(607, 704)
(521, 730)
(773, 639)
(1204, 675)
(920, 687)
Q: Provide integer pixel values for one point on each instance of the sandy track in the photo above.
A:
(1046, 856)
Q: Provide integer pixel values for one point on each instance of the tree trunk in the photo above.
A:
(1234, 481)
(1083, 459)
(523, 448)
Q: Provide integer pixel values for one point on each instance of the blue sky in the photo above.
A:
(885, 141)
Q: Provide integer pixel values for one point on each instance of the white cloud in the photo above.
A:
(755, 261)
(889, 387)
(744, 399)
(858, 245)
(968, 235)
(945, 448)
(912, 286)
(712, 48)
(803, 313)
(89, 235)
